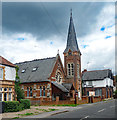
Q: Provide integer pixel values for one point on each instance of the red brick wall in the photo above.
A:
(103, 91)
(75, 58)
(37, 90)
(59, 93)
(58, 66)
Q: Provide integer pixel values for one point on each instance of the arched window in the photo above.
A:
(27, 91)
(40, 91)
(31, 91)
(78, 72)
(43, 90)
(5, 96)
(58, 77)
(70, 69)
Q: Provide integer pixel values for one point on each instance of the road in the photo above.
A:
(106, 109)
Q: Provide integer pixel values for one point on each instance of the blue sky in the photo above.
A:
(38, 30)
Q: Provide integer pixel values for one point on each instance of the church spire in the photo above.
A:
(71, 39)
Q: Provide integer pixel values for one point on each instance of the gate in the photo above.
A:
(90, 99)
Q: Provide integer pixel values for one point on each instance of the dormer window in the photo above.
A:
(34, 69)
(23, 71)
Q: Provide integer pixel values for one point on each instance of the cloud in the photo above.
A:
(100, 53)
(44, 19)
(18, 50)
(29, 40)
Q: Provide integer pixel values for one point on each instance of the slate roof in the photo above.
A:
(44, 68)
(71, 39)
(97, 74)
(67, 85)
(60, 86)
(3, 61)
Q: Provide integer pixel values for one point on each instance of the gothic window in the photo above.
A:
(58, 77)
(78, 71)
(1, 73)
(40, 91)
(31, 91)
(27, 91)
(43, 90)
(70, 69)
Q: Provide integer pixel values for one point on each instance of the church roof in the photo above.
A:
(3, 61)
(71, 39)
(60, 86)
(36, 70)
(97, 74)
(67, 85)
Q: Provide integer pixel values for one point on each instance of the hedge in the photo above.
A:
(14, 106)
(11, 106)
(25, 104)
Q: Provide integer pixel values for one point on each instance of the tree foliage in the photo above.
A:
(116, 78)
(18, 90)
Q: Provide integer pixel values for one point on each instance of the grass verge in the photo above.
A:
(70, 105)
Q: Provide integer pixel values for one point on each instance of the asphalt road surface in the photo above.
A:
(102, 110)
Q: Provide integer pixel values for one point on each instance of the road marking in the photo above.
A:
(101, 110)
(84, 117)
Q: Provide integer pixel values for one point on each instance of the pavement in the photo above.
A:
(81, 111)
(53, 113)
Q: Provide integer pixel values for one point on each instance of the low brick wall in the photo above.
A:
(97, 99)
(61, 102)
(84, 100)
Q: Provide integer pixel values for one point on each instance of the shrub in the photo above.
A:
(25, 103)
(115, 92)
(11, 106)
(19, 92)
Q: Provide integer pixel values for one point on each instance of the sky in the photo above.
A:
(36, 30)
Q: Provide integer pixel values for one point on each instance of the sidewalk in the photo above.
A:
(43, 114)
(46, 114)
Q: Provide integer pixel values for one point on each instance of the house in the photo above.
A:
(115, 83)
(7, 80)
(98, 83)
(45, 79)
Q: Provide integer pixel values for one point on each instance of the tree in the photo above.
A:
(18, 90)
(116, 78)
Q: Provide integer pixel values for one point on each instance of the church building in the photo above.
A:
(45, 79)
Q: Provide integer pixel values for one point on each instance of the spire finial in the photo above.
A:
(71, 12)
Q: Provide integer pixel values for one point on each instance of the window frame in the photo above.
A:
(70, 69)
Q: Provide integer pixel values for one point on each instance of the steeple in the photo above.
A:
(71, 39)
